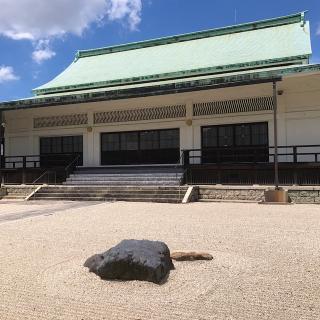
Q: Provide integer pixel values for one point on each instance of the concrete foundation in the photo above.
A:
(296, 194)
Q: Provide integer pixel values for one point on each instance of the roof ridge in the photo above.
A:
(249, 26)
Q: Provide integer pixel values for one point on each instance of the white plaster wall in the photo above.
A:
(20, 145)
(299, 117)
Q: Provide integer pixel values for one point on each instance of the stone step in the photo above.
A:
(13, 196)
(129, 170)
(128, 177)
(154, 199)
(129, 174)
(145, 191)
(113, 188)
(73, 198)
(119, 183)
(147, 176)
(141, 181)
(113, 192)
(122, 182)
(108, 195)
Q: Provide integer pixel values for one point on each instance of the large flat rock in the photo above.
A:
(142, 260)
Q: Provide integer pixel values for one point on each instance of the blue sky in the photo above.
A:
(36, 47)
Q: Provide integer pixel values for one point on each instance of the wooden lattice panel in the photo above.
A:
(61, 121)
(165, 112)
(233, 106)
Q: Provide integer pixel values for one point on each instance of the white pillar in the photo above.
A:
(187, 132)
(88, 143)
(96, 148)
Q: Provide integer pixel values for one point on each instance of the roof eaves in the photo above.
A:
(177, 75)
(169, 87)
(294, 18)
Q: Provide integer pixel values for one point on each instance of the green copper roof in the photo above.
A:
(279, 41)
(136, 90)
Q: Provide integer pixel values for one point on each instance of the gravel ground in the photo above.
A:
(266, 261)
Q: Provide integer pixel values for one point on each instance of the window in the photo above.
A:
(140, 147)
(242, 135)
(68, 144)
(169, 139)
(246, 134)
(259, 134)
(77, 144)
(225, 136)
(110, 142)
(129, 141)
(45, 145)
(235, 142)
(149, 140)
(56, 146)
(60, 147)
(210, 137)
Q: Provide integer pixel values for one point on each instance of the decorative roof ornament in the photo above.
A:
(303, 18)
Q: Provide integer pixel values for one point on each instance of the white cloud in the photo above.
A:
(42, 51)
(18, 35)
(42, 55)
(7, 74)
(131, 9)
(39, 19)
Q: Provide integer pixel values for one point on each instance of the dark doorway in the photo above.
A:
(56, 149)
(245, 142)
(140, 147)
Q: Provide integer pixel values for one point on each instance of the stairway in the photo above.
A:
(126, 176)
(17, 192)
(148, 184)
(165, 194)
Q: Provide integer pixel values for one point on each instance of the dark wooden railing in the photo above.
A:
(37, 161)
(252, 154)
(53, 168)
(299, 165)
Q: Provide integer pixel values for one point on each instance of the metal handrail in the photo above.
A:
(179, 164)
(179, 161)
(44, 174)
(183, 173)
(72, 162)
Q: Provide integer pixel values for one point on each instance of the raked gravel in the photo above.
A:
(266, 261)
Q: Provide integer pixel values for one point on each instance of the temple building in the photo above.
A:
(202, 101)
